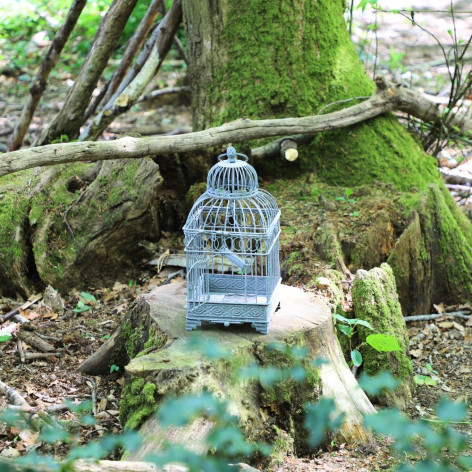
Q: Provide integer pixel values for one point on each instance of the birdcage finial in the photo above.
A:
(231, 153)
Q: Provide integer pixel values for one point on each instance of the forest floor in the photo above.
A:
(441, 349)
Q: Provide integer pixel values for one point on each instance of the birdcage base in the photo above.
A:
(192, 324)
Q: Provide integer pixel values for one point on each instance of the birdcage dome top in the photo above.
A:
(232, 176)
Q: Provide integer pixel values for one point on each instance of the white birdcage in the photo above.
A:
(232, 248)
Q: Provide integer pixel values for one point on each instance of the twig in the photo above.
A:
(31, 356)
(457, 314)
(21, 352)
(165, 91)
(92, 385)
(173, 276)
(15, 312)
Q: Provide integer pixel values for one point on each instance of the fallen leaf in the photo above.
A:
(440, 308)
(29, 437)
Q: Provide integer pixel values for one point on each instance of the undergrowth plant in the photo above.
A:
(380, 342)
(429, 445)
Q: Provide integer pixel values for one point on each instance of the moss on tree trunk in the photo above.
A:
(375, 299)
(265, 59)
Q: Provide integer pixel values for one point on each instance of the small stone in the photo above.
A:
(10, 453)
(52, 299)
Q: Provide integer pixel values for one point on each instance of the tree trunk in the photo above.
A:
(262, 59)
(177, 369)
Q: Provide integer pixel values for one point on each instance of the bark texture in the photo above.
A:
(71, 116)
(78, 223)
(40, 82)
(176, 369)
(432, 258)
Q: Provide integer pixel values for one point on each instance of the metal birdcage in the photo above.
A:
(232, 248)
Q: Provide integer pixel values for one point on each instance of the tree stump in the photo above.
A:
(264, 411)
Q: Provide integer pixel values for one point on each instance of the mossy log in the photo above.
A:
(432, 259)
(375, 299)
(75, 225)
(173, 370)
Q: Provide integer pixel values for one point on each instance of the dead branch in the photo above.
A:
(33, 356)
(15, 311)
(71, 116)
(34, 340)
(457, 314)
(387, 98)
(128, 97)
(39, 84)
(132, 49)
(21, 351)
(165, 91)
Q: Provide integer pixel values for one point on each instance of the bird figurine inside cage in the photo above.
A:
(232, 248)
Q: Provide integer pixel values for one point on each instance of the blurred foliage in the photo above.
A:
(21, 20)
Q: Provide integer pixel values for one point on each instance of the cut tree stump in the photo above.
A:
(173, 369)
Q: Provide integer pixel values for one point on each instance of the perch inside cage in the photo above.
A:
(232, 248)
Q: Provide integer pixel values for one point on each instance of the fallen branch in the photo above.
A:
(387, 98)
(125, 99)
(458, 314)
(133, 47)
(165, 91)
(32, 356)
(40, 82)
(35, 418)
(34, 340)
(15, 311)
(70, 118)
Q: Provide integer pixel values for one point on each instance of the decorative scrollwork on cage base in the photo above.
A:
(232, 248)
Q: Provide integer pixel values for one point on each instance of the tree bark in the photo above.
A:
(138, 39)
(70, 118)
(40, 82)
(129, 96)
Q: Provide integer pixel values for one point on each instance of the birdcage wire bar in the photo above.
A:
(232, 249)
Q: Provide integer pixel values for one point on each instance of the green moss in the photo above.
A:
(14, 207)
(375, 300)
(138, 402)
(156, 340)
(282, 446)
(131, 336)
(287, 397)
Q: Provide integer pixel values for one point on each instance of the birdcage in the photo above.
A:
(232, 248)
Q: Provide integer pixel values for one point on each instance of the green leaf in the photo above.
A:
(383, 342)
(348, 192)
(451, 411)
(343, 319)
(364, 323)
(81, 307)
(424, 380)
(4, 337)
(356, 357)
(374, 385)
(346, 329)
(88, 297)
(114, 368)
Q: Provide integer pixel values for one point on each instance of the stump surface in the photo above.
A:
(303, 320)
